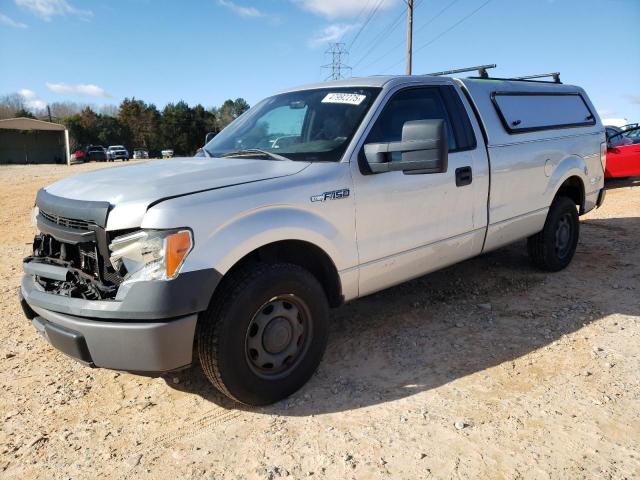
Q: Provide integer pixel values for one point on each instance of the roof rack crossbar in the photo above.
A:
(554, 75)
(481, 69)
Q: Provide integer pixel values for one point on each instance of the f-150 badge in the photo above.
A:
(333, 195)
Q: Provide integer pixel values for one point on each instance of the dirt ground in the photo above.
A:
(488, 369)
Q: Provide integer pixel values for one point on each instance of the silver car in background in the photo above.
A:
(117, 152)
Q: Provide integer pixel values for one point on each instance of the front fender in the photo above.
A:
(232, 241)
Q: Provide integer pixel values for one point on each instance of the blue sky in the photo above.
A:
(204, 51)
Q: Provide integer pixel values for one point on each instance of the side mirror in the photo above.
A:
(423, 149)
(208, 137)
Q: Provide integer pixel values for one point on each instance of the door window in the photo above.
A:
(407, 105)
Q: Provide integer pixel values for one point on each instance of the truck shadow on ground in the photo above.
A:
(467, 318)
(613, 183)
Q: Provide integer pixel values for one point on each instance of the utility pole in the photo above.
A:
(409, 33)
(49, 112)
(338, 53)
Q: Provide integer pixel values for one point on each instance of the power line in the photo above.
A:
(449, 5)
(338, 53)
(384, 33)
(437, 37)
(374, 10)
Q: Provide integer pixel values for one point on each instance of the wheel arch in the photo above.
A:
(573, 188)
(568, 179)
(298, 252)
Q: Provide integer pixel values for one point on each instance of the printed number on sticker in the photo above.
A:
(348, 98)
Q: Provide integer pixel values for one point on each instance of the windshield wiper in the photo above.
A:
(253, 152)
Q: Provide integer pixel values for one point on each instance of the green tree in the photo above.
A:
(142, 120)
(23, 113)
(230, 110)
(176, 123)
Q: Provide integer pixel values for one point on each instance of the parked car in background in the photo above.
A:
(117, 152)
(78, 156)
(632, 134)
(96, 153)
(629, 126)
(140, 153)
(168, 153)
(613, 131)
(623, 154)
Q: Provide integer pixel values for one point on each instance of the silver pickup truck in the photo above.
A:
(314, 197)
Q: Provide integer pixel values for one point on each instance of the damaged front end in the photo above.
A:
(70, 251)
(73, 270)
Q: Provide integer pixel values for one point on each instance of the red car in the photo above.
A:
(623, 154)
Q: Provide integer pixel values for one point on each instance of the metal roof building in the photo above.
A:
(27, 141)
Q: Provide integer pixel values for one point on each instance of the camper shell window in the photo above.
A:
(532, 111)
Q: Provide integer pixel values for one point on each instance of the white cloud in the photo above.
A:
(31, 100)
(27, 94)
(46, 9)
(10, 22)
(36, 104)
(240, 10)
(79, 89)
(342, 8)
(329, 34)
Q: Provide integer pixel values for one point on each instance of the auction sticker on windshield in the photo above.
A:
(348, 98)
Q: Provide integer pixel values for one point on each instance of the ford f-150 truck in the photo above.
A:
(314, 197)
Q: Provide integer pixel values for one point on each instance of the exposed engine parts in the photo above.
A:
(87, 275)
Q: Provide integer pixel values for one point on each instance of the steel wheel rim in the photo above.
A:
(563, 235)
(278, 336)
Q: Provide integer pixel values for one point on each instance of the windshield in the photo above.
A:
(309, 125)
(116, 147)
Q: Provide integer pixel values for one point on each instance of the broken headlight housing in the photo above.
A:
(150, 254)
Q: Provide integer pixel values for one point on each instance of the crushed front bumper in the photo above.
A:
(151, 330)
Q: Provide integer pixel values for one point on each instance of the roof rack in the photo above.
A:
(482, 74)
(554, 75)
(481, 69)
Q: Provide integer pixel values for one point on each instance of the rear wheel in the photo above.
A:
(553, 248)
(264, 333)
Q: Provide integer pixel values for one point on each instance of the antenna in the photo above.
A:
(554, 75)
(338, 53)
(481, 69)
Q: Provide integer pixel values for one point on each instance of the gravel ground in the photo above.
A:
(488, 369)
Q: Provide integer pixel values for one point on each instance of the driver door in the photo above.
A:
(411, 223)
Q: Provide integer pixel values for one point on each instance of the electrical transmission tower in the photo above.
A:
(338, 53)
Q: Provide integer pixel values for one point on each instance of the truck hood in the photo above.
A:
(131, 189)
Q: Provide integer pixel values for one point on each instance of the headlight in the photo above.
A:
(150, 254)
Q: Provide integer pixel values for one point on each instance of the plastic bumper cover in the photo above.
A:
(150, 330)
(131, 346)
(188, 293)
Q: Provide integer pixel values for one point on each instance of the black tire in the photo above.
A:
(553, 248)
(248, 324)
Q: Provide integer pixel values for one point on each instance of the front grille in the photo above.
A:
(65, 222)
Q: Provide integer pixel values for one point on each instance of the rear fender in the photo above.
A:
(571, 166)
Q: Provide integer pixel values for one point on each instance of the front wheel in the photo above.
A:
(264, 333)
(553, 248)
